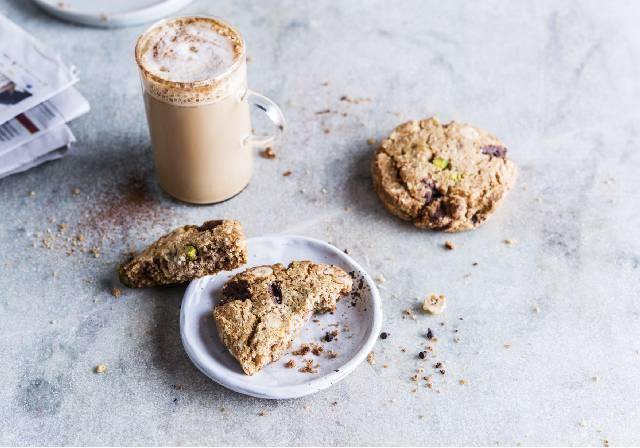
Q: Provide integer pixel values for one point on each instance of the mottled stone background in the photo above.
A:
(558, 81)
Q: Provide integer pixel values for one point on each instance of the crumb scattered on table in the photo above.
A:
(371, 358)
(449, 245)
(116, 292)
(101, 368)
(268, 153)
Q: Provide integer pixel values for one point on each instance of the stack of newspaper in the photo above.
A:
(36, 100)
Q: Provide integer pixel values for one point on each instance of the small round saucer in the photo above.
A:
(111, 14)
(358, 318)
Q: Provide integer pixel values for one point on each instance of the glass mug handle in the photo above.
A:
(274, 114)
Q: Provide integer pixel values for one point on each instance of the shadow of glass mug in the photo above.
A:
(201, 131)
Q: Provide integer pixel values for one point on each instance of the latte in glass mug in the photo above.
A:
(194, 82)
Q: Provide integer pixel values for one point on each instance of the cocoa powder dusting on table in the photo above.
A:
(129, 206)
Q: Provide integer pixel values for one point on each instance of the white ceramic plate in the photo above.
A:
(363, 315)
(111, 13)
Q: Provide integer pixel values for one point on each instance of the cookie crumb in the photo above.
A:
(435, 304)
(380, 279)
(509, 242)
(116, 292)
(263, 413)
(290, 364)
(309, 367)
(462, 382)
(287, 173)
(449, 245)
(371, 141)
(371, 358)
(507, 346)
(317, 349)
(268, 153)
(331, 354)
(326, 130)
(100, 368)
(408, 312)
(303, 350)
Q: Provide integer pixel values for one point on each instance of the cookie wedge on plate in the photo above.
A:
(264, 308)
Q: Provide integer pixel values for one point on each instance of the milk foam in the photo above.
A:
(189, 50)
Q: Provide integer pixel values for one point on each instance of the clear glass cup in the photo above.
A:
(201, 131)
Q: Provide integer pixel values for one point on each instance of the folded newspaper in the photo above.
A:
(36, 101)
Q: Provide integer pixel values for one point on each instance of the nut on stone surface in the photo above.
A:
(435, 304)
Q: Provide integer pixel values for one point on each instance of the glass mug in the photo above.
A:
(201, 130)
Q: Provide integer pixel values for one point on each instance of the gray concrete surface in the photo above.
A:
(558, 81)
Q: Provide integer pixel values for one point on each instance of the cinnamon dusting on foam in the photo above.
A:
(191, 60)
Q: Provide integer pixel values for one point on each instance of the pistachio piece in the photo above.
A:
(122, 276)
(190, 252)
(441, 163)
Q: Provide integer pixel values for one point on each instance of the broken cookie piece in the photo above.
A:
(186, 253)
(264, 308)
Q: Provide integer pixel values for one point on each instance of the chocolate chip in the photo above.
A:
(277, 292)
(384, 335)
(238, 289)
(429, 333)
(494, 150)
(422, 355)
(431, 192)
(328, 337)
(209, 225)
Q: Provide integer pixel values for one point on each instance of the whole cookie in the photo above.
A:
(448, 177)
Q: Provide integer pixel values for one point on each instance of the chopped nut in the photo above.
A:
(101, 368)
(435, 304)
